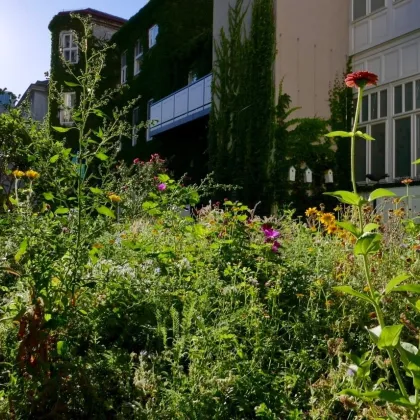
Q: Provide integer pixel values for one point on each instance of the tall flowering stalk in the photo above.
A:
(368, 242)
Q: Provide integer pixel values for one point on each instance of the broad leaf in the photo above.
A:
(106, 212)
(350, 291)
(96, 190)
(368, 243)
(54, 158)
(347, 197)
(339, 134)
(379, 193)
(163, 178)
(71, 84)
(62, 129)
(102, 156)
(364, 136)
(411, 288)
(62, 210)
(390, 337)
(370, 226)
(395, 282)
(61, 347)
(349, 227)
(418, 305)
(48, 196)
(416, 162)
(410, 348)
(375, 333)
(22, 250)
(388, 396)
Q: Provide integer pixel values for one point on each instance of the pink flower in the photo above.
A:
(275, 247)
(136, 161)
(162, 187)
(269, 232)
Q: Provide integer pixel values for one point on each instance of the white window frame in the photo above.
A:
(138, 57)
(71, 48)
(69, 102)
(135, 130)
(368, 10)
(153, 33)
(124, 68)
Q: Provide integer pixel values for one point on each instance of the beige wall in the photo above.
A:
(312, 47)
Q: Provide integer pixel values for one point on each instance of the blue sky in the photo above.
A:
(25, 39)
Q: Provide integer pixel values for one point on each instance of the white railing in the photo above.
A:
(182, 106)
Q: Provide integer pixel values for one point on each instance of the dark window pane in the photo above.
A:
(408, 96)
(378, 150)
(376, 4)
(418, 94)
(365, 108)
(384, 103)
(374, 106)
(403, 147)
(359, 8)
(418, 141)
(360, 157)
(398, 99)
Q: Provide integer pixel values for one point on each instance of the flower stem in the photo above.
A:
(353, 139)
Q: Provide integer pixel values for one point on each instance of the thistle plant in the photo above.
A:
(385, 336)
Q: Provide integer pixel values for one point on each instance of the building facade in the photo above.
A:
(36, 97)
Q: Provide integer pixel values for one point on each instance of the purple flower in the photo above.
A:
(275, 247)
(269, 232)
(162, 187)
(350, 372)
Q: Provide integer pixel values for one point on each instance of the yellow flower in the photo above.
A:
(31, 174)
(114, 198)
(329, 303)
(366, 289)
(399, 212)
(327, 218)
(332, 229)
(338, 208)
(18, 174)
(300, 295)
(311, 212)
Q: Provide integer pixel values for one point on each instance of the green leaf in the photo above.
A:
(102, 156)
(395, 282)
(13, 200)
(418, 305)
(411, 288)
(62, 210)
(96, 190)
(22, 250)
(364, 136)
(379, 193)
(48, 196)
(61, 347)
(368, 243)
(339, 134)
(163, 178)
(71, 84)
(375, 333)
(388, 396)
(350, 291)
(99, 113)
(370, 226)
(416, 162)
(61, 129)
(106, 212)
(350, 228)
(410, 348)
(347, 197)
(390, 337)
(54, 158)
(147, 205)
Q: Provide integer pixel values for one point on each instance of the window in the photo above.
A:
(404, 97)
(192, 77)
(365, 108)
(398, 100)
(402, 147)
(69, 48)
(383, 103)
(69, 102)
(376, 5)
(359, 9)
(138, 57)
(417, 94)
(408, 97)
(153, 33)
(136, 122)
(374, 106)
(124, 68)
(377, 151)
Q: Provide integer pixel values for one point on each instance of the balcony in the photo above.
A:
(183, 106)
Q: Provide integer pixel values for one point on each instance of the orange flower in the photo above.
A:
(32, 174)
(407, 181)
(18, 174)
(327, 219)
(361, 79)
(332, 229)
(114, 198)
(311, 212)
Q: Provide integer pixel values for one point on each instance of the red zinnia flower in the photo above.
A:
(361, 79)
(136, 161)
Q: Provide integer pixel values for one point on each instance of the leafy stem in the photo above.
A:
(353, 139)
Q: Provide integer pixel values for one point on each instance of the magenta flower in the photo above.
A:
(275, 247)
(269, 232)
(136, 161)
(162, 187)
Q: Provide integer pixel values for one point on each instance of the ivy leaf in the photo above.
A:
(96, 190)
(62, 210)
(339, 134)
(350, 291)
(71, 84)
(379, 193)
(102, 156)
(106, 212)
(54, 158)
(349, 227)
(395, 282)
(347, 197)
(48, 196)
(368, 243)
(62, 129)
(22, 250)
(390, 337)
(411, 288)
